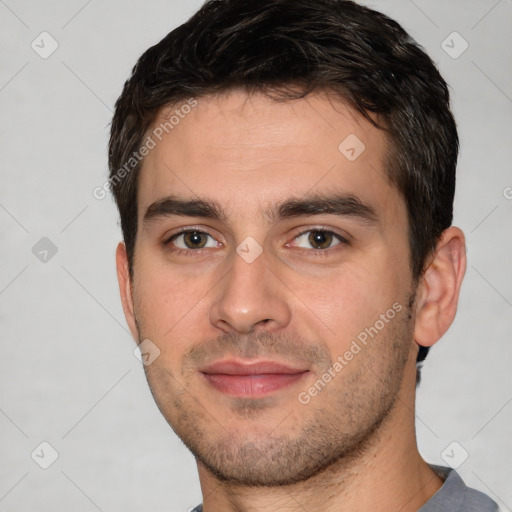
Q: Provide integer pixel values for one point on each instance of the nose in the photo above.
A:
(250, 297)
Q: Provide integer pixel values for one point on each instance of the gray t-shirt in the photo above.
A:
(454, 496)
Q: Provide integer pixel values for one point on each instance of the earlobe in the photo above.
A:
(125, 288)
(438, 292)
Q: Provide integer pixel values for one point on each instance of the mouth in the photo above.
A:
(251, 379)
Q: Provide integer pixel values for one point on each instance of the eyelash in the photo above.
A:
(184, 252)
(194, 252)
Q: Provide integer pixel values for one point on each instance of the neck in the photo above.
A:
(386, 473)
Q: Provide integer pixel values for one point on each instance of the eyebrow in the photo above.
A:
(340, 204)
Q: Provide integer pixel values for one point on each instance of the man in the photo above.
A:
(285, 174)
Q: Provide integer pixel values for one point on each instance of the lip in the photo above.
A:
(240, 367)
(251, 379)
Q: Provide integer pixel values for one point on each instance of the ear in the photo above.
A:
(438, 291)
(125, 289)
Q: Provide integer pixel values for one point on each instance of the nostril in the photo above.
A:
(262, 322)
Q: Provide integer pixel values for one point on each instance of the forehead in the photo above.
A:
(248, 152)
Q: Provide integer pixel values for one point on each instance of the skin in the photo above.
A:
(352, 447)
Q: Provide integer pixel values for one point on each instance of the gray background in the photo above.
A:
(68, 374)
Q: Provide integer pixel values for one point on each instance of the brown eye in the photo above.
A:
(191, 239)
(320, 239)
(195, 239)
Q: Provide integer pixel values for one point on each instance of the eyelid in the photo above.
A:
(183, 231)
(322, 229)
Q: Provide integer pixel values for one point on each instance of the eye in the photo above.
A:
(318, 239)
(191, 239)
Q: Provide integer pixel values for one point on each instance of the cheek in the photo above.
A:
(169, 304)
(349, 299)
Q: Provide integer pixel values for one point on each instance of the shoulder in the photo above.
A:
(457, 496)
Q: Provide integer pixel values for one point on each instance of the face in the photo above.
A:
(272, 273)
